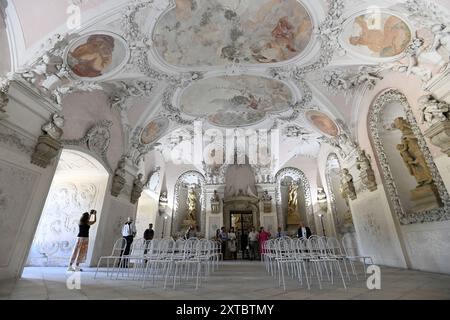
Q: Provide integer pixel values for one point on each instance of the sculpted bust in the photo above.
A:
(54, 127)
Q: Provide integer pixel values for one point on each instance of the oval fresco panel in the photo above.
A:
(154, 130)
(377, 35)
(323, 123)
(217, 32)
(235, 101)
(96, 55)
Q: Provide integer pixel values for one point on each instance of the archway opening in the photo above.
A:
(79, 185)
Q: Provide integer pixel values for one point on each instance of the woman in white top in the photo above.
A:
(232, 244)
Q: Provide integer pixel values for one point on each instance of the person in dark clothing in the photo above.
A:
(80, 251)
(303, 231)
(244, 244)
(149, 233)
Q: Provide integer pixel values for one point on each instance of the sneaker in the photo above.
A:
(78, 269)
(70, 268)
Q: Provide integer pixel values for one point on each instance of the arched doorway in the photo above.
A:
(79, 185)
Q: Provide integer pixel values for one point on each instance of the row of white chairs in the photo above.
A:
(163, 259)
(316, 257)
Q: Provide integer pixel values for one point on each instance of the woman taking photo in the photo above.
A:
(80, 251)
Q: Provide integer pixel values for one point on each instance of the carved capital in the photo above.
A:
(46, 150)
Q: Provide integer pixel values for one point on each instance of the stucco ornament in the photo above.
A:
(4, 98)
(119, 180)
(138, 187)
(366, 173)
(49, 143)
(347, 186)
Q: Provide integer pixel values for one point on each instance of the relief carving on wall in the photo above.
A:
(97, 140)
(58, 227)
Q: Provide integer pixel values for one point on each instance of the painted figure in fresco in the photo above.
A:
(388, 42)
(284, 33)
(150, 133)
(92, 58)
(412, 154)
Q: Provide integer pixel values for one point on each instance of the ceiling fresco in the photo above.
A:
(154, 130)
(215, 33)
(96, 55)
(235, 101)
(323, 123)
(378, 35)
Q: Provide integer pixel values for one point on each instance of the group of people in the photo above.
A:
(251, 243)
(128, 231)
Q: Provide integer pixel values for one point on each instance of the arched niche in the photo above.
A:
(398, 181)
(79, 185)
(340, 211)
(180, 208)
(283, 178)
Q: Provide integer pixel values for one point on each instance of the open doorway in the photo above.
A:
(79, 185)
(242, 222)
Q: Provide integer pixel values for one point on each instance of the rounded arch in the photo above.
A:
(79, 185)
(374, 119)
(188, 178)
(299, 175)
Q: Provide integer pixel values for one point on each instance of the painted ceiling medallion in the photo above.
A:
(235, 101)
(377, 35)
(215, 33)
(154, 130)
(97, 55)
(323, 123)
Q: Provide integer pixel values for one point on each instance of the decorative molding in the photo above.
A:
(374, 119)
(16, 141)
(97, 140)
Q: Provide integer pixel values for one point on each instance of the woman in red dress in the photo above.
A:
(263, 236)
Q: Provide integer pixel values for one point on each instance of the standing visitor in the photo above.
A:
(280, 233)
(128, 233)
(80, 251)
(149, 233)
(303, 231)
(253, 244)
(232, 243)
(263, 236)
(223, 242)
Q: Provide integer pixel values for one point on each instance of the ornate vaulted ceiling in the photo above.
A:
(293, 65)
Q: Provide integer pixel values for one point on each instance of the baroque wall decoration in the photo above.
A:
(341, 214)
(189, 179)
(298, 175)
(56, 234)
(374, 118)
(97, 140)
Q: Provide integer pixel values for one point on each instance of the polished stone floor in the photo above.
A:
(241, 280)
